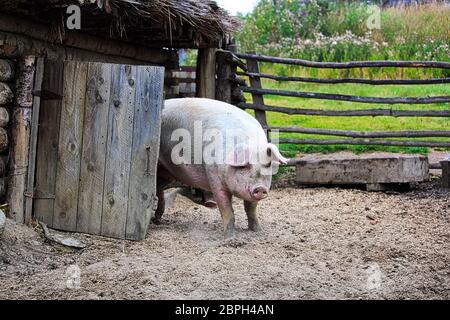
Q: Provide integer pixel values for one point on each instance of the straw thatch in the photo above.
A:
(156, 23)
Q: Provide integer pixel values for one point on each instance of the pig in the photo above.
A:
(241, 163)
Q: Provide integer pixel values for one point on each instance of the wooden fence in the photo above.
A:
(230, 88)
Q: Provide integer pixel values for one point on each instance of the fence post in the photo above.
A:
(206, 72)
(255, 82)
(445, 173)
(223, 84)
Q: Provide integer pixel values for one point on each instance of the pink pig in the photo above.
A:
(220, 149)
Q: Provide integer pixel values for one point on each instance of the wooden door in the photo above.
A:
(97, 148)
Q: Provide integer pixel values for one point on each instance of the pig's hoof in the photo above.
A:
(229, 233)
(255, 227)
(156, 221)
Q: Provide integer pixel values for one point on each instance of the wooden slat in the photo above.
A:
(345, 97)
(348, 113)
(38, 80)
(92, 170)
(120, 133)
(257, 98)
(374, 82)
(347, 65)
(47, 144)
(70, 142)
(142, 190)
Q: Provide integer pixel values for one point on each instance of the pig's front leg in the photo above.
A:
(223, 199)
(250, 210)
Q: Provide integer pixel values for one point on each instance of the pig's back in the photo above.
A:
(182, 112)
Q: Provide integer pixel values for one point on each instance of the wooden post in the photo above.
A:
(206, 73)
(255, 82)
(20, 138)
(223, 84)
(445, 173)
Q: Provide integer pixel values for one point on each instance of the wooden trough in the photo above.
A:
(378, 171)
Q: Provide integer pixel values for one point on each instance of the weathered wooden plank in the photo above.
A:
(120, 133)
(70, 141)
(147, 119)
(92, 172)
(38, 79)
(48, 137)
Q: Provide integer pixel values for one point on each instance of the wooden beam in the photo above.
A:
(84, 41)
(206, 73)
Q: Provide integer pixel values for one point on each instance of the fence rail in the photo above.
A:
(347, 113)
(346, 65)
(251, 70)
(346, 80)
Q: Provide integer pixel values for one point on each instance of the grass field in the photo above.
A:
(353, 123)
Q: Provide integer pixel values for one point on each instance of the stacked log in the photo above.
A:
(6, 98)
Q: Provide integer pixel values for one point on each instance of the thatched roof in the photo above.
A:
(155, 23)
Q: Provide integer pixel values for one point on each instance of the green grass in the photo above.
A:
(353, 123)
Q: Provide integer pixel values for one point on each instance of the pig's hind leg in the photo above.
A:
(250, 210)
(161, 183)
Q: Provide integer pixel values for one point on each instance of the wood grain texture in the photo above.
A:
(147, 119)
(206, 73)
(70, 142)
(90, 201)
(120, 134)
(47, 144)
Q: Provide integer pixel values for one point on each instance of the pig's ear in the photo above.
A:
(275, 155)
(239, 156)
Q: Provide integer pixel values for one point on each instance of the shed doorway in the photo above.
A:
(97, 147)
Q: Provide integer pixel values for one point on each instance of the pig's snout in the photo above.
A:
(260, 192)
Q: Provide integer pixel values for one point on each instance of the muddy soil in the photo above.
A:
(328, 243)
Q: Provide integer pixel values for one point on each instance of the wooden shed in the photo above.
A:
(80, 107)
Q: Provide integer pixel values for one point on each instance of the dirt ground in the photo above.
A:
(328, 243)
